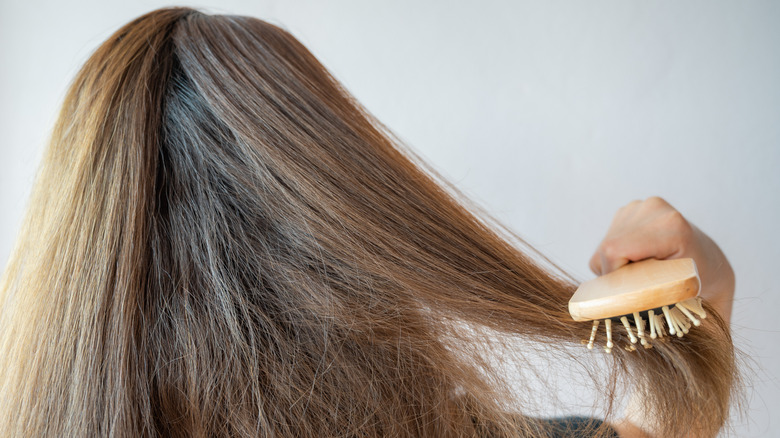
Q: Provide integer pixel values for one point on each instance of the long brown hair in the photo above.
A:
(223, 242)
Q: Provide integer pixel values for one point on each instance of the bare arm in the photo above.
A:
(653, 228)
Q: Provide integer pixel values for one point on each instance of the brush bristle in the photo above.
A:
(649, 325)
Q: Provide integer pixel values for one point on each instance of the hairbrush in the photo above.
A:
(642, 296)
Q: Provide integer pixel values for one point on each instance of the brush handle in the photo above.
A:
(635, 287)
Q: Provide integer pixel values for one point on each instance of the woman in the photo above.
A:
(223, 242)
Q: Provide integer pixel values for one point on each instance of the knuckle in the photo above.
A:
(630, 206)
(656, 201)
(675, 221)
(610, 249)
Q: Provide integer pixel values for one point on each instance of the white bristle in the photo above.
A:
(694, 305)
(688, 313)
(608, 324)
(679, 328)
(651, 322)
(680, 320)
(593, 334)
(674, 326)
(659, 326)
(640, 328)
(624, 320)
(668, 320)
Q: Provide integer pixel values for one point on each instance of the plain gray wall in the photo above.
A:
(551, 114)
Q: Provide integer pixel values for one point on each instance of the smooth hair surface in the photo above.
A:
(223, 242)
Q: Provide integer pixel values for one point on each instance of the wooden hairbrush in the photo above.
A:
(642, 295)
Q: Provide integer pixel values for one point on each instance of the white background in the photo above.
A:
(551, 114)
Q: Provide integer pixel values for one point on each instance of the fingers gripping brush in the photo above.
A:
(642, 296)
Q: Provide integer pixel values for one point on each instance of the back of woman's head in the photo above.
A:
(221, 241)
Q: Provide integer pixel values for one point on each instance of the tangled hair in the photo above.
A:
(222, 242)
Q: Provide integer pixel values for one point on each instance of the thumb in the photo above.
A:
(611, 255)
(603, 262)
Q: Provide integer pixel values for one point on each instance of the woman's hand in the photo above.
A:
(654, 229)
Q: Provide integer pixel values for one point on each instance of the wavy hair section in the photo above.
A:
(223, 242)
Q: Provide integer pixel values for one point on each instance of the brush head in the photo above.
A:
(641, 297)
(636, 287)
